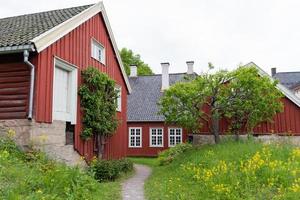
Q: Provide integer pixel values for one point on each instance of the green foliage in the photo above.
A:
(250, 99)
(32, 175)
(244, 97)
(130, 58)
(110, 170)
(98, 101)
(230, 170)
(167, 156)
(182, 103)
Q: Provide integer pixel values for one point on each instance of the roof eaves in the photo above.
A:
(145, 120)
(279, 86)
(16, 49)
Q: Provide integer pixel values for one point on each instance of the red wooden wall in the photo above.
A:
(75, 48)
(146, 150)
(286, 122)
(14, 87)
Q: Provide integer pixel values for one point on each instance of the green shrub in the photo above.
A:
(109, 170)
(167, 156)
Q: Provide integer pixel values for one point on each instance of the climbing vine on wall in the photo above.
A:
(98, 103)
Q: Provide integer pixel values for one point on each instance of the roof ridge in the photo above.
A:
(28, 14)
(287, 72)
(158, 74)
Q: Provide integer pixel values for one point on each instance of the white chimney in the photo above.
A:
(190, 65)
(133, 71)
(165, 75)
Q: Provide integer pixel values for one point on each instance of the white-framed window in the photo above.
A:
(156, 137)
(119, 98)
(175, 136)
(135, 137)
(98, 51)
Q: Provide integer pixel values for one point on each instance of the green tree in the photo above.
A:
(250, 99)
(183, 103)
(130, 58)
(242, 96)
(98, 103)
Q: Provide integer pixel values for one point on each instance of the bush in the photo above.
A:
(110, 170)
(167, 156)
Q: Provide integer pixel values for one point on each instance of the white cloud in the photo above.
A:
(222, 32)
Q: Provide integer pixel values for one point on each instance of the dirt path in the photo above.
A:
(133, 188)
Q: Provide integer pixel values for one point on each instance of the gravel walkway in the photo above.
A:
(133, 188)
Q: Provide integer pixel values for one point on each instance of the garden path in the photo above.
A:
(133, 188)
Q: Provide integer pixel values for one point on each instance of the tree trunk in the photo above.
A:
(215, 127)
(100, 146)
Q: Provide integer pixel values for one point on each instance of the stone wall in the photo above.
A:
(209, 139)
(50, 138)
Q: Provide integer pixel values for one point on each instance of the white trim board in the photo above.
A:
(290, 95)
(49, 37)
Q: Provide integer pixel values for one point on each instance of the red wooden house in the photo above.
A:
(41, 57)
(148, 134)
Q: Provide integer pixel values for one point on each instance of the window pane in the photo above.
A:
(159, 131)
(159, 140)
(138, 141)
(172, 131)
(172, 140)
(137, 131)
(178, 139)
(153, 140)
(153, 132)
(131, 131)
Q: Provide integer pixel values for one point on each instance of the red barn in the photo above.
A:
(148, 134)
(41, 57)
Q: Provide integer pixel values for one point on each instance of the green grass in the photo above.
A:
(152, 162)
(232, 170)
(32, 176)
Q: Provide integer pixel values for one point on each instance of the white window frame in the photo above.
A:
(119, 98)
(72, 85)
(156, 137)
(169, 136)
(129, 137)
(101, 47)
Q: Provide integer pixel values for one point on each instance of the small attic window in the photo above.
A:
(98, 51)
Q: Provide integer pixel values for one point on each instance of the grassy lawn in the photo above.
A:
(34, 177)
(232, 170)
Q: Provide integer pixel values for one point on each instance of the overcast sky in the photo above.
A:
(225, 33)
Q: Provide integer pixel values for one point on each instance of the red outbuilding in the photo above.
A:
(41, 59)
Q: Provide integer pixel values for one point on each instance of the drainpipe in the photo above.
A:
(32, 74)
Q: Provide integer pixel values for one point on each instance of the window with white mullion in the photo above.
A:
(135, 137)
(175, 136)
(156, 137)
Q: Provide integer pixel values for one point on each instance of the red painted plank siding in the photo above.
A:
(285, 122)
(146, 150)
(75, 48)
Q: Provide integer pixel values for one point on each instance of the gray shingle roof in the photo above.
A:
(288, 79)
(146, 92)
(19, 30)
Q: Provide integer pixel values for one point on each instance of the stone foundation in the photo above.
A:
(50, 138)
(209, 139)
